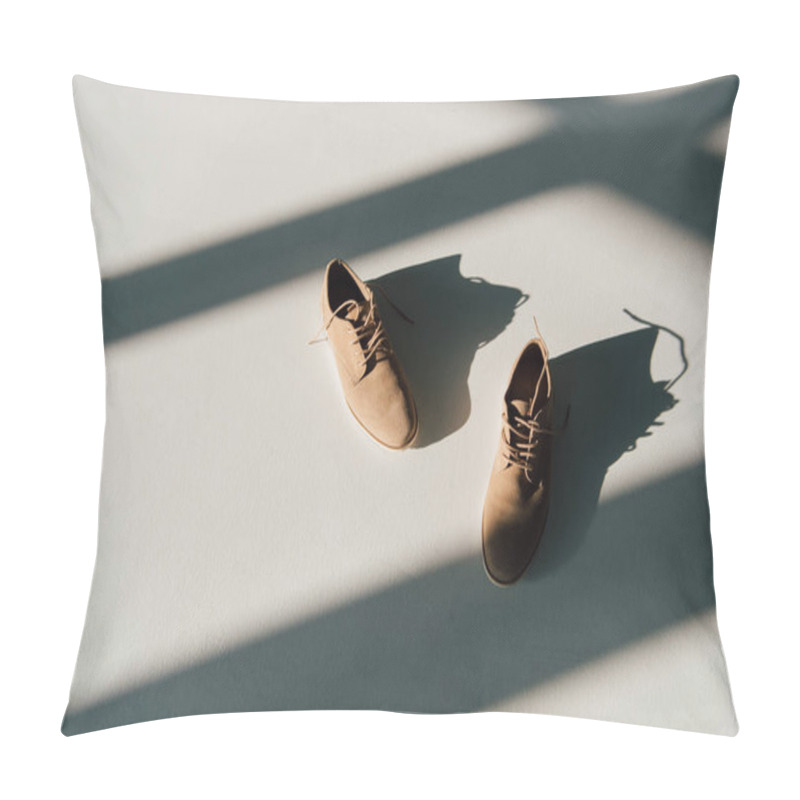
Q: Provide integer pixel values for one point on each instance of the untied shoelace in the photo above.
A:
(370, 333)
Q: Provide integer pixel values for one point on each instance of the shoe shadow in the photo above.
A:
(453, 317)
(612, 401)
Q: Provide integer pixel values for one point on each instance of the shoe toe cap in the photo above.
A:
(384, 407)
(400, 431)
(509, 541)
(505, 563)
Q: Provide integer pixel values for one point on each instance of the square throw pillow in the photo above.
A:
(483, 486)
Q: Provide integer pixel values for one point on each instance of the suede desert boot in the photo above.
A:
(518, 497)
(375, 387)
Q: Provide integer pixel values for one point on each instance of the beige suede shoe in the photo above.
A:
(518, 497)
(375, 387)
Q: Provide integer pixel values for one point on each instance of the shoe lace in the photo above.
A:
(521, 435)
(368, 328)
(681, 344)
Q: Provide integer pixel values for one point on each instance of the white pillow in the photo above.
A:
(256, 550)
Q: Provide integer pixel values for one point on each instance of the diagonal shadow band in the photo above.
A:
(447, 640)
(649, 150)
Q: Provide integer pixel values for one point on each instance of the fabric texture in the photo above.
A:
(257, 550)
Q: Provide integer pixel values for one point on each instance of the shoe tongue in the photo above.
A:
(533, 407)
(353, 313)
(530, 409)
(522, 407)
